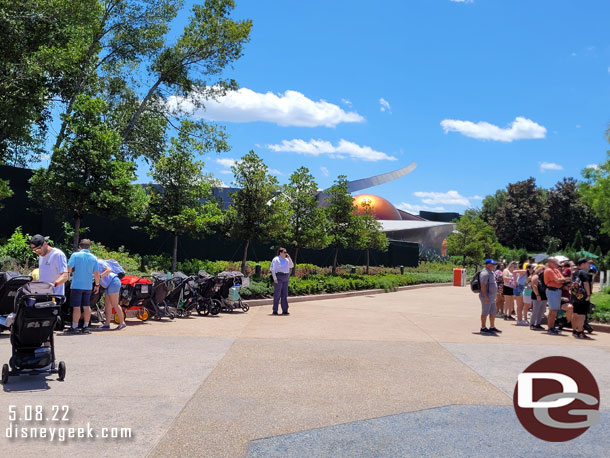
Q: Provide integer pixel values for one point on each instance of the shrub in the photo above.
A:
(17, 250)
(130, 262)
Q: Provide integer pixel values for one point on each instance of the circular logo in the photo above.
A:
(556, 399)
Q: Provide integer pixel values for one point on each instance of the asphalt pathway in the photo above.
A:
(398, 374)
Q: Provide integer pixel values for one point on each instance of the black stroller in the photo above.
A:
(207, 287)
(10, 282)
(231, 282)
(183, 296)
(37, 308)
(156, 302)
(97, 311)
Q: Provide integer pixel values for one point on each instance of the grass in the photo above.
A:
(601, 309)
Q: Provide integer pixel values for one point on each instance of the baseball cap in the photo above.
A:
(38, 240)
(490, 261)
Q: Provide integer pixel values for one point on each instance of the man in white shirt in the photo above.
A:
(280, 270)
(52, 263)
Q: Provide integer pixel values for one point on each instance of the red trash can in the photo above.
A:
(459, 277)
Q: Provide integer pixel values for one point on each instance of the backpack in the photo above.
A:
(577, 288)
(541, 284)
(475, 283)
(116, 267)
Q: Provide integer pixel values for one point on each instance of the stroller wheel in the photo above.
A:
(171, 315)
(202, 309)
(62, 370)
(5, 374)
(59, 324)
(143, 314)
(116, 318)
(245, 307)
(216, 307)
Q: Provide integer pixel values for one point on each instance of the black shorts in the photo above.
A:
(508, 291)
(581, 307)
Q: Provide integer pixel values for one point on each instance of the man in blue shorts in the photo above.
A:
(487, 295)
(85, 268)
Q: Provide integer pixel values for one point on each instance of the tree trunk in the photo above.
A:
(296, 255)
(76, 236)
(334, 270)
(175, 252)
(244, 258)
(136, 115)
(367, 261)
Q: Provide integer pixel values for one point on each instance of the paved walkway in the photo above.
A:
(398, 374)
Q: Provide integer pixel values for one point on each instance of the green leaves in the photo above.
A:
(474, 240)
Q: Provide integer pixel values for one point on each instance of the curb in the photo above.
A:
(599, 327)
(364, 292)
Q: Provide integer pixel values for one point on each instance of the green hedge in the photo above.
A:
(322, 283)
(601, 307)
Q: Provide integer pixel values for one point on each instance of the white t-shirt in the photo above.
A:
(52, 266)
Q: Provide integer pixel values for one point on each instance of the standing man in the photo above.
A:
(581, 295)
(489, 291)
(554, 281)
(280, 270)
(85, 268)
(52, 266)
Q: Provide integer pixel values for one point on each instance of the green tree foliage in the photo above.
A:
(369, 232)
(568, 213)
(176, 200)
(340, 216)
(491, 204)
(522, 219)
(306, 219)
(474, 240)
(17, 249)
(595, 190)
(193, 65)
(5, 191)
(255, 215)
(42, 42)
(86, 174)
(578, 244)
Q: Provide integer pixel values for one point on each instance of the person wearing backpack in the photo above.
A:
(487, 295)
(554, 281)
(581, 294)
(538, 299)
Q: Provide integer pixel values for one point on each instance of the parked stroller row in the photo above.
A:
(31, 310)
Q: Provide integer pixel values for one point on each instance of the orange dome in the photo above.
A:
(382, 208)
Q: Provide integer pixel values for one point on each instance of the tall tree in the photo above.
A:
(491, 204)
(595, 190)
(521, 221)
(209, 43)
(473, 240)
(254, 213)
(86, 174)
(369, 232)
(340, 215)
(177, 198)
(5, 191)
(306, 219)
(42, 42)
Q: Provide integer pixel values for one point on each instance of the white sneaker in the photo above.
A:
(499, 315)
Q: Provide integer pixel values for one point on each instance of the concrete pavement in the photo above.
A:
(334, 377)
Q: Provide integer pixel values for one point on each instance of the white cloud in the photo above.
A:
(477, 197)
(578, 126)
(324, 171)
(346, 102)
(462, 1)
(592, 166)
(226, 172)
(415, 208)
(521, 128)
(544, 166)
(245, 105)
(385, 105)
(608, 70)
(275, 172)
(341, 150)
(226, 162)
(443, 198)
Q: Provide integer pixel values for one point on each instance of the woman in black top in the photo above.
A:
(581, 294)
(538, 299)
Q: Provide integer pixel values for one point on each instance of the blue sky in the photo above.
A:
(479, 93)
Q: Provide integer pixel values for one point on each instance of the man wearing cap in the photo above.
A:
(85, 268)
(489, 291)
(52, 266)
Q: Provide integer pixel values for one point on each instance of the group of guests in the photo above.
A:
(88, 274)
(532, 287)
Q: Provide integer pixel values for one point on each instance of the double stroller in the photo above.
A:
(228, 294)
(207, 287)
(10, 282)
(37, 309)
